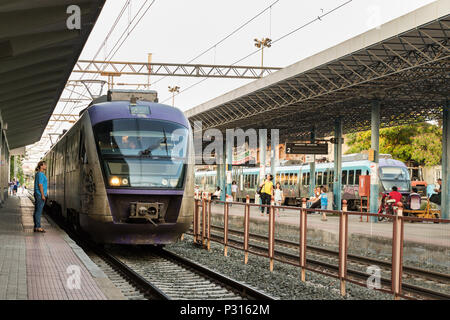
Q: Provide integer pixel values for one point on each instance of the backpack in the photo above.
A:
(259, 189)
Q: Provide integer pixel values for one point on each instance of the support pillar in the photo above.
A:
(274, 154)
(445, 191)
(312, 168)
(223, 176)
(375, 145)
(262, 153)
(229, 155)
(337, 164)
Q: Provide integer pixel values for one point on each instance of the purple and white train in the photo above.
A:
(124, 172)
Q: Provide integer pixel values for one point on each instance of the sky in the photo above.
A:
(176, 31)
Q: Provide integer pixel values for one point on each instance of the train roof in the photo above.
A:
(348, 164)
(112, 110)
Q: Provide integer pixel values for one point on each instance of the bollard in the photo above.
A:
(209, 222)
(271, 233)
(343, 245)
(246, 228)
(204, 221)
(302, 246)
(397, 252)
(225, 229)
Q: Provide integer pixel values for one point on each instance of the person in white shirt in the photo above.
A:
(278, 197)
(234, 189)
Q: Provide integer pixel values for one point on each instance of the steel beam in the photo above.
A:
(173, 69)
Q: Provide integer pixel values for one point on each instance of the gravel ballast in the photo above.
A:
(283, 283)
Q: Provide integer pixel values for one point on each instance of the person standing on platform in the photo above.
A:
(40, 194)
(278, 197)
(324, 198)
(234, 189)
(266, 192)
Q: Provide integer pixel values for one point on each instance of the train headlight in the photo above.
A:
(125, 181)
(114, 181)
(164, 182)
(173, 182)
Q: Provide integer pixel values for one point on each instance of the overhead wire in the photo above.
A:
(273, 42)
(214, 46)
(117, 46)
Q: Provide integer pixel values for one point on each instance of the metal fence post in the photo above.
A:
(397, 253)
(246, 228)
(204, 220)
(302, 244)
(271, 233)
(225, 229)
(343, 245)
(196, 212)
(209, 222)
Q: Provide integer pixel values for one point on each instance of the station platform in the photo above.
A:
(45, 266)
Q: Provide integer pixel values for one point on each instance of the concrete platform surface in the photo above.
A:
(45, 266)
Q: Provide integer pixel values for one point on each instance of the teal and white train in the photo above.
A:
(295, 179)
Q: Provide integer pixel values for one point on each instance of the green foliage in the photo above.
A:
(421, 143)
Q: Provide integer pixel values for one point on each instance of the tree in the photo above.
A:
(421, 143)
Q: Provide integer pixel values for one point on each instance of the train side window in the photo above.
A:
(351, 177)
(277, 179)
(344, 177)
(319, 179)
(294, 182)
(358, 173)
(325, 178)
(308, 176)
(290, 178)
(331, 178)
(83, 153)
(304, 179)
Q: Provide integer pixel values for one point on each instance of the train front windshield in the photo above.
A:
(143, 153)
(395, 176)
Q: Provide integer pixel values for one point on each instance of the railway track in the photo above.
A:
(146, 273)
(325, 261)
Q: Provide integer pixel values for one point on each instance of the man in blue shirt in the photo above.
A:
(40, 194)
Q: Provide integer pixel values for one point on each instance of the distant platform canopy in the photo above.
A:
(37, 54)
(404, 65)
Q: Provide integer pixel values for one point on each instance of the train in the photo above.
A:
(295, 179)
(123, 173)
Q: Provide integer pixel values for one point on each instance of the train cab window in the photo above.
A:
(344, 177)
(351, 177)
(358, 173)
(144, 153)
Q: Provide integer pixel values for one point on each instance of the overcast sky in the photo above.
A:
(178, 30)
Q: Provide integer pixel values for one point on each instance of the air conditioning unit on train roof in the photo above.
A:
(362, 156)
(132, 95)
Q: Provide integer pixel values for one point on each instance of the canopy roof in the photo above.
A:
(37, 55)
(404, 65)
